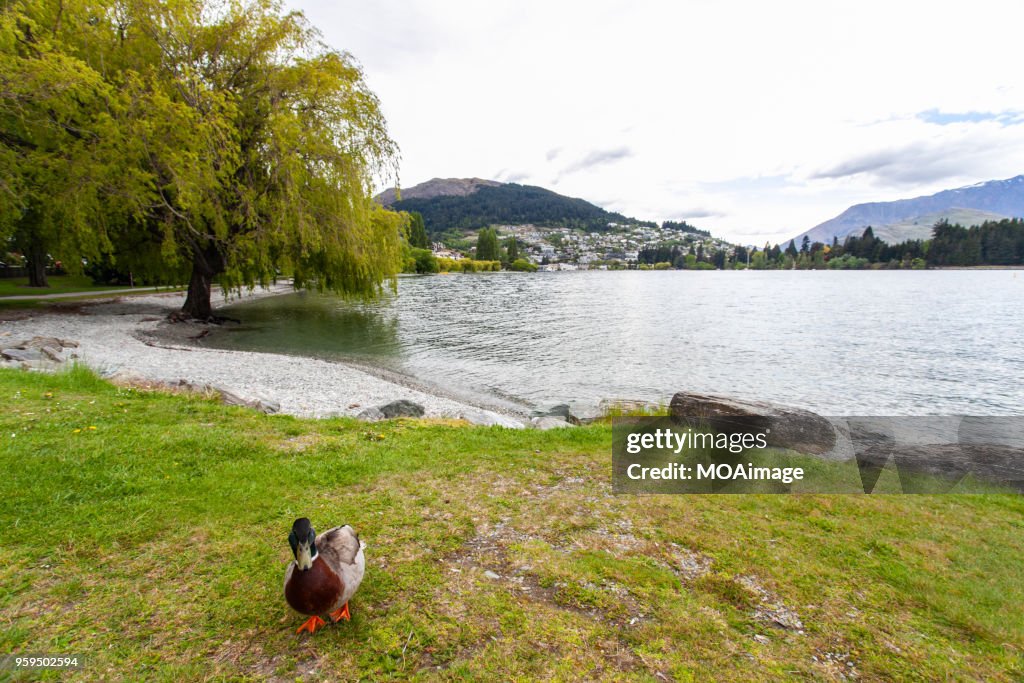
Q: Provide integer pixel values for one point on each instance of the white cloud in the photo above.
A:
(837, 103)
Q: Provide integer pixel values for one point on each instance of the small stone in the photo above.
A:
(52, 353)
(561, 410)
(491, 575)
(486, 418)
(546, 423)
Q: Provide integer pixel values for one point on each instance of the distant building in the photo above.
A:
(445, 252)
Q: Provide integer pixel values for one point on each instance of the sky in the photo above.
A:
(756, 120)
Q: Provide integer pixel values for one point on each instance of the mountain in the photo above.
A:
(464, 203)
(437, 187)
(912, 218)
(920, 227)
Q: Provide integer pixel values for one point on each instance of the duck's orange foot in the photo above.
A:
(339, 614)
(312, 624)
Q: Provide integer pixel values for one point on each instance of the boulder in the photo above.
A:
(370, 415)
(52, 353)
(581, 414)
(793, 428)
(39, 350)
(124, 377)
(401, 408)
(545, 423)
(23, 355)
(561, 410)
(487, 418)
(231, 398)
(40, 342)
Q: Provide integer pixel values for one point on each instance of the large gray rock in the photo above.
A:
(370, 415)
(40, 342)
(545, 423)
(23, 355)
(127, 377)
(52, 353)
(561, 410)
(401, 408)
(486, 418)
(582, 414)
(42, 351)
(232, 398)
(792, 428)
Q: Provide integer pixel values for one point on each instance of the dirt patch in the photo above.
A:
(770, 608)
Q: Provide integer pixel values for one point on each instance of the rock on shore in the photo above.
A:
(793, 428)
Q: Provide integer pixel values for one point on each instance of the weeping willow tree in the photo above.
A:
(237, 145)
(247, 147)
(55, 143)
(264, 153)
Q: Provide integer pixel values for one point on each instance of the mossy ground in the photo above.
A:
(147, 531)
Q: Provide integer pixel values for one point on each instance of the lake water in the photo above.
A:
(839, 343)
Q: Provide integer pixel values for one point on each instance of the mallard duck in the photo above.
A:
(325, 574)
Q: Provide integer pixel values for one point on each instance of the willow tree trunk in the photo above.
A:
(36, 262)
(205, 265)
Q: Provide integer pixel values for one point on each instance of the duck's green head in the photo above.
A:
(302, 539)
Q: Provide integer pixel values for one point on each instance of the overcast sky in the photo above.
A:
(756, 120)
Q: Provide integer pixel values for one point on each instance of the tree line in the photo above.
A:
(489, 253)
(993, 243)
(203, 141)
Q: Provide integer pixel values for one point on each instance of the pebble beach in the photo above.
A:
(130, 337)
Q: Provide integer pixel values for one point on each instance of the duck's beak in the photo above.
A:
(303, 556)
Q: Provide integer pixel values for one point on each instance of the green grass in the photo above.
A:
(148, 532)
(59, 284)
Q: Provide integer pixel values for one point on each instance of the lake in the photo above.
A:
(836, 342)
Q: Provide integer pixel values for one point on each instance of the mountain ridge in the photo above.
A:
(992, 200)
(469, 203)
(435, 187)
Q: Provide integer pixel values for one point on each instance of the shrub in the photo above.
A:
(523, 266)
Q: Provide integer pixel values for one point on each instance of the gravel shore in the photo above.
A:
(131, 335)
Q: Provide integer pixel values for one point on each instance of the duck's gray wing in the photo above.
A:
(342, 551)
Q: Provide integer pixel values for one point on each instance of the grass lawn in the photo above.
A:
(59, 284)
(148, 532)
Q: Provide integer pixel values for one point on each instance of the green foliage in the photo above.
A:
(423, 261)
(447, 265)
(222, 139)
(510, 204)
(522, 265)
(57, 139)
(995, 243)
(848, 262)
(417, 233)
(487, 245)
(512, 249)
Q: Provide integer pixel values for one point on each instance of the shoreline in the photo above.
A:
(129, 336)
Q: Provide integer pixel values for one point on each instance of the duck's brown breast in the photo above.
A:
(315, 590)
